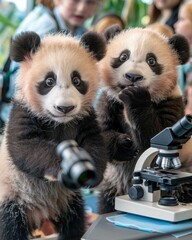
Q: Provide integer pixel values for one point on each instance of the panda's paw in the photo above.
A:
(134, 95)
(125, 148)
(124, 141)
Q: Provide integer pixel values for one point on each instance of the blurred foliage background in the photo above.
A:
(7, 28)
(133, 12)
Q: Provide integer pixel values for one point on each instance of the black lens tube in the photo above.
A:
(182, 127)
(77, 166)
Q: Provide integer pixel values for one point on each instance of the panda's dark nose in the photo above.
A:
(133, 77)
(65, 109)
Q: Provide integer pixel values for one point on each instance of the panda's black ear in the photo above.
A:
(180, 44)
(94, 43)
(111, 32)
(23, 45)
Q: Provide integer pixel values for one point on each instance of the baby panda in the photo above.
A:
(56, 84)
(140, 98)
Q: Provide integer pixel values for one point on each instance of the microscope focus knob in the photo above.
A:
(135, 192)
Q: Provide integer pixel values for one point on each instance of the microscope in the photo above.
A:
(151, 193)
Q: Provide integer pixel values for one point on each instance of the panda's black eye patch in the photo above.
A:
(123, 57)
(78, 83)
(47, 84)
(151, 60)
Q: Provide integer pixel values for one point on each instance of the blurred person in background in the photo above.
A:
(184, 27)
(103, 21)
(48, 16)
(72, 14)
(164, 11)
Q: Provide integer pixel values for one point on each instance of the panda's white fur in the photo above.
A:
(140, 98)
(56, 84)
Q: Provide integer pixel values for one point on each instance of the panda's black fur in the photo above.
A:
(64, 69)
(140, 98)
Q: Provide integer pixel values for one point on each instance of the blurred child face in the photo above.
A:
(76, 12)
(184, 24)
(166, 4)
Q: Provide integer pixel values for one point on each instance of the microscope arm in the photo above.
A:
(146, 159)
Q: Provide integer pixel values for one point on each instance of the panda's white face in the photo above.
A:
(62, 99)
(139, 57)
(59, 82)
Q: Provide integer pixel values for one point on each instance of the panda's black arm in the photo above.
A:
(155, 119)
(115, 130)
(28, 147)
(89, 137)
(148, 118)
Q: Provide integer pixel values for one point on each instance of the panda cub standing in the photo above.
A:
(140, 98)
(56, 85)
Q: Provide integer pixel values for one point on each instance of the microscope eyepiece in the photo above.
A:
(183, 127)
(172, 138)
(77, 166)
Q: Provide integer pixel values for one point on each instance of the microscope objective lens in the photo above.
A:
(166, 163)
(176, 162)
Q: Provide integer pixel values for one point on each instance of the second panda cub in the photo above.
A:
(140, 98)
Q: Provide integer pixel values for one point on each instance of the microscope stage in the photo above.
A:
(153, 209)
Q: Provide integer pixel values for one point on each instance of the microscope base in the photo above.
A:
(153, 209)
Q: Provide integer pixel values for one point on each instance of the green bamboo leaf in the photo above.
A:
(6, 22)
